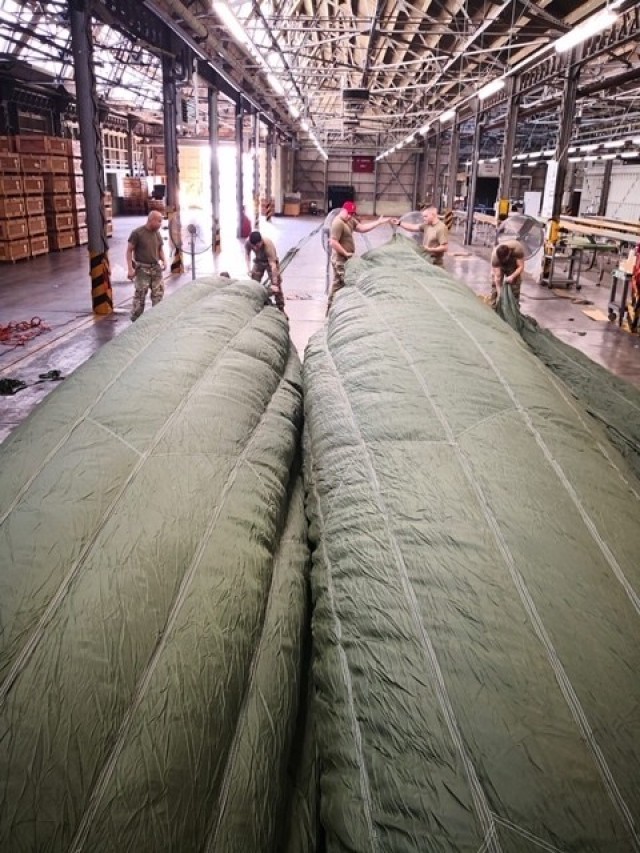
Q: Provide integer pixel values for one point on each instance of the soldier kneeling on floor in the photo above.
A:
(265, 260)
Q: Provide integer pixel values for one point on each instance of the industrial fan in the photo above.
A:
(525, 229)
(191, 232)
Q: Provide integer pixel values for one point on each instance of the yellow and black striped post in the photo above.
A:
(101, 293)
(448, 219)
(217, 241)
(270, 209)
(177, 264)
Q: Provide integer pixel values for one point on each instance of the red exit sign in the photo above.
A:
(363, 165)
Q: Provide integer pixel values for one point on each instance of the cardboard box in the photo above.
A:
(15, 250)
(34, 205)
(292, 209)
(37, 225)
(75, 166)
(79, 202)
(35, 164)
(80, 219)
(13, 229)
(77, 182)
(82, 236)
(39, 245)
(73, 148)
(9, 162)
(10, 185)
(12, 208)
(33, 185)
(59, 240)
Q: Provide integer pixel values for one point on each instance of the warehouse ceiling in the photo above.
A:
(358, 73)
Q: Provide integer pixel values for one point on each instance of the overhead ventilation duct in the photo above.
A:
(355, 100)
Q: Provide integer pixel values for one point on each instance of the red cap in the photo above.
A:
(350, 207)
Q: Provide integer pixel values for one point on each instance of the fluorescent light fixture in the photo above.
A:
(573, 150)
(615, 143)
(629, 154)
(480, 161)
(304, 124)
(521, 157)
(534, 154)
(595, 24)
(548, 153)
(494, 160)
(636, 140)
(591, 157)
(447, 116)
(575, 159)
(275, 84)
(295, 112)
(608, 156)
(533, 163)
(589, 147)
(230, 21)
(491, 88)
(424, 128)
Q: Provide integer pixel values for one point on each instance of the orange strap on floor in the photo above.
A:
(17, 334)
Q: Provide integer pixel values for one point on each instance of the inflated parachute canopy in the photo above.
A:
(153, 595)
(476, 582)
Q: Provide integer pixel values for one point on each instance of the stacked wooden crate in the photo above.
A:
(108, 213)
(57, 186)
(14, 233)
(34, 166)
(134, 199)
(76, 186)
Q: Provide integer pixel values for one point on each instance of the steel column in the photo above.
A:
(269, 177)
(471, 196)
(508, 146)
(170, 124)
(454, 153)
(435, 192)
(375, 180)
(91, 150)
(212, 103)
(606, 186)
(239, 165)
(256, 170)
(131, 121)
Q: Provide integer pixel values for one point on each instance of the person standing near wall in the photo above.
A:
(342, 243)
(507, 266)
(146, 263)
(265, 260)
(435, 236)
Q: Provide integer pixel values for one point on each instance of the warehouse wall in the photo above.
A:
(624, 191)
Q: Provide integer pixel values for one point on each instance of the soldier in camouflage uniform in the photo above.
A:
(146, 262)
(342, 244)
(265, 260)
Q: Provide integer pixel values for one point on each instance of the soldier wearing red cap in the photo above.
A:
(342, 243)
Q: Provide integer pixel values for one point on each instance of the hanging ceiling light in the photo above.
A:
(593, 25)
(491, 88)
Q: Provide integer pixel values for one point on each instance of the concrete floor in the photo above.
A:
(56, 288)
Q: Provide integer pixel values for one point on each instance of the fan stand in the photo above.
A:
(192, 229)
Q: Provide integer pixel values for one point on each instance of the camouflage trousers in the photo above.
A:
(338, 263)
(515, 288)
(147, 278)
(275, 282)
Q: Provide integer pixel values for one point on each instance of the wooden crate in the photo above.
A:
(38, 144)
(77, 183)
(35, 164)
(60, 165)
(34, 204)
(13, 229)
(39, 245)
(79, 202)
(59, 221)
(75, 166)
(12, 208)
(37, 225)
(59, 240)
(33, 185)
(6, 143)
(82, 236)
(109, 229)
(73, 148)
(58, 203)
(80, 218)
(15, 250)
(57, 184)
(9, 162)
(10, 185)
